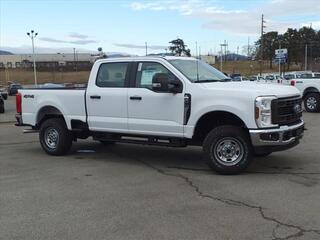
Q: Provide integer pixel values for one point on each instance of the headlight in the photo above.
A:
(263, 111)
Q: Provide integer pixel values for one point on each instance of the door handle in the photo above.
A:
(135, 98)
(95, 97)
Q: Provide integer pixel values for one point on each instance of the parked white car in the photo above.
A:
(169, 101)
(310, 91)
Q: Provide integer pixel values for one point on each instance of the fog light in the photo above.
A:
(270, 136)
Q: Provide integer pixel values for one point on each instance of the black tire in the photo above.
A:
(265, 154)
(236, 141)
(2, 108)
(312, 102)
(55, 127)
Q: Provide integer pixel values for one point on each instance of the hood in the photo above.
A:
(254, 88)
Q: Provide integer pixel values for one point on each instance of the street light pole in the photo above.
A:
(32, 35)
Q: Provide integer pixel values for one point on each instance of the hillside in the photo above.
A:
(5, 53)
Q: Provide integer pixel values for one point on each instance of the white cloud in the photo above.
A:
(25, 49)
(239, 21)
(78, 35)
(78, 42)
(129, 45)
(315, 25)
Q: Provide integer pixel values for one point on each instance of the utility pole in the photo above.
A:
(222, 45)
(196, 49)
(261, 46)
(237, 53)
(248, 54)
(146, 48)
(74, 60)
(221, 58)
(199, 52)
(32, 35)
(306, 57)
(279, 60)
(225, 50)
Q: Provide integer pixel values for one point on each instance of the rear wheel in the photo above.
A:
(228, 149)
(312, 102)
(55, 138)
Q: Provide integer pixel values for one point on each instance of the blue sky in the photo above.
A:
(125, 26)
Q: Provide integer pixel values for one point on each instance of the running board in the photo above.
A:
(30, 131)
(170, 142)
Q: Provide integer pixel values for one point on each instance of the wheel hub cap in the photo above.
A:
(51, 138)
(311, 103)
(228, 151)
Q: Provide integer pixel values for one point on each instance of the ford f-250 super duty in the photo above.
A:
(169, 101)
(309, 89)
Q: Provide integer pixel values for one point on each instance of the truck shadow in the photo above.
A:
(188, 159)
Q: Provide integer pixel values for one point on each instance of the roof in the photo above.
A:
(145, 58)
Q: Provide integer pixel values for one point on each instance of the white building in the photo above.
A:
(61, 59)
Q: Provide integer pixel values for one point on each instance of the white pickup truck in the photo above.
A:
(309, 88)
(168, 101)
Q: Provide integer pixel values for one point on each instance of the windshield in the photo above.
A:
(198, 71)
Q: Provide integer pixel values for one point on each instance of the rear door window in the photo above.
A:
(112, 75)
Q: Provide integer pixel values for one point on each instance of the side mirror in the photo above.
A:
(162, 82)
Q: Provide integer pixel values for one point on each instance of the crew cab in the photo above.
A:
(167, 101)
(309, 88)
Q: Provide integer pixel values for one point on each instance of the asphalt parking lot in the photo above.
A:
(142, 192)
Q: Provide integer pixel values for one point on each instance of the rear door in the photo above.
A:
(107, 105)
(150, 112)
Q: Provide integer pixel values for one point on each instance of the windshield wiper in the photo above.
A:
(213, 80)
(225, 80)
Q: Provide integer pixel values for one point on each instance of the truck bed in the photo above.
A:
(70, 101)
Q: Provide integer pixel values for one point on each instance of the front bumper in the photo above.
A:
(281, 137)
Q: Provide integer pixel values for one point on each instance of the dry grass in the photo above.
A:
(249, 67)
(26, 76)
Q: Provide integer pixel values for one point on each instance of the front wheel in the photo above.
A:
(228, 149)
(312, 102)
(55, 138)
